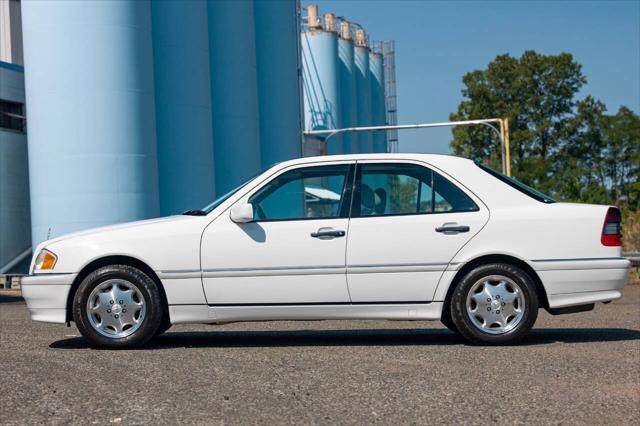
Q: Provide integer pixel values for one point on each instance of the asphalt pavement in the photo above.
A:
(572, 369)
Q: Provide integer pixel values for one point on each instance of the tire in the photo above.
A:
(447, 321)
(118, 307)
(494, 304)
(164, 327)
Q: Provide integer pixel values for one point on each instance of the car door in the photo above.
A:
(407, 224)
(293, 251)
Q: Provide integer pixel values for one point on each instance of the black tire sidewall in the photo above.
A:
(459, 299)
(447, 321)
(150, 292)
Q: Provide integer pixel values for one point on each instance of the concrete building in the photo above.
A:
(15, 228)
(10, 32)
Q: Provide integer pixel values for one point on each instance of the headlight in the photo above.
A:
(45, 261)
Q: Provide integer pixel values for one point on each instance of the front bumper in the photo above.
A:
(46, 296)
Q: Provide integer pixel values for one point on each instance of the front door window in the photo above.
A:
(305, 193)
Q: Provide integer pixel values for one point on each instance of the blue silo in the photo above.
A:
(183, 105)
(378, 109)
(90, 103)
(321, 83)
(347, 87)
(363, 91)
(277, 43)
(234, 92)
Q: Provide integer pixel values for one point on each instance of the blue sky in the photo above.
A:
(437, 42)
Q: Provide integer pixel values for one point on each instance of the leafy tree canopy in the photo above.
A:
(567, 147)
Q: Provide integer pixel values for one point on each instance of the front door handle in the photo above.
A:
(327, 233)
(452, 228)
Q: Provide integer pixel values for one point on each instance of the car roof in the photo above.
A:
(432, 158)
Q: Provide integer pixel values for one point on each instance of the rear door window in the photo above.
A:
(388, 189)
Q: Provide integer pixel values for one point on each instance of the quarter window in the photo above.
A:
(401, 189)
(305, 193)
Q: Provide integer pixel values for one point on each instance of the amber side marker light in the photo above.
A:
(45, 261)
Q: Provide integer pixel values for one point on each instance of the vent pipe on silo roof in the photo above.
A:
(345, 30)
(361, 38)
(329, 22)
(312, 17)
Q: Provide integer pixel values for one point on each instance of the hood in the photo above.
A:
(137, 239)
(126, 225)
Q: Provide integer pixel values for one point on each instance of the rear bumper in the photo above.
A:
(46, 296)
(582, 281)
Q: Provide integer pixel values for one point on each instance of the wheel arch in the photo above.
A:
(114, 260)
(497, 258)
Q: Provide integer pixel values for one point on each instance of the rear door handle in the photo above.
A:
(452, 228)
(328, 233)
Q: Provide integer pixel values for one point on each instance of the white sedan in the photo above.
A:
(376, 236)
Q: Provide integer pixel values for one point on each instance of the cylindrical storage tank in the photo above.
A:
(363, 91)
(321, 84)
(348, 100)
(183, 105)
(378, 109)
(277, 29)
(234, 92)
(90, 103)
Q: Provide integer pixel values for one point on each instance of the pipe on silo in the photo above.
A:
(234, 92)
(321, 84)
(329, 21)
(277, 31)
(347, 88)
(312, 17)
(90, 103)
(378, 108)
(183, 105)
(363, 90)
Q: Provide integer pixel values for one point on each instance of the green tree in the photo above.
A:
(536, 92)
(622, 157)
(600, 159)
(567, 147)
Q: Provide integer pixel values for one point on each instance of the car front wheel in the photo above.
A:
(494, 304)
(117, 307)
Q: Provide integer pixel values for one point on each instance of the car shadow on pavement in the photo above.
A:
(10, 298)
(361, 337)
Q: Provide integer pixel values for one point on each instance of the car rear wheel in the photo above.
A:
(494, 304)
(117, 307)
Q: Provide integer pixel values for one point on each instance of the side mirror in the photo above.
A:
(242, 213)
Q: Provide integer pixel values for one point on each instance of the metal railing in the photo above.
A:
(501, 132)
(634, 257)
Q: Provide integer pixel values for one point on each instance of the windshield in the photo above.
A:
(515, 183)
(223, 198)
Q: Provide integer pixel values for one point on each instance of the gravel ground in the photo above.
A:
(578, 369)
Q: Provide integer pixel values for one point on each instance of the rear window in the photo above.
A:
(515, 183)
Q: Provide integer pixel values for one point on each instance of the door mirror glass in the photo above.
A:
(242, 213)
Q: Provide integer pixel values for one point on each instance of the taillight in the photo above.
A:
(612, 229)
